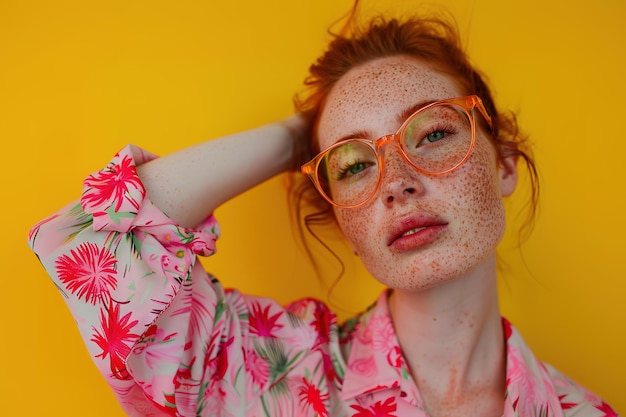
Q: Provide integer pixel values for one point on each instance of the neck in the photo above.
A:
(452, 338)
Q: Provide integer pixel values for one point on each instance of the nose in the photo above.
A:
(400, 181)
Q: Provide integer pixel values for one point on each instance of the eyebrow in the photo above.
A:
(401, 117)
(410, 110)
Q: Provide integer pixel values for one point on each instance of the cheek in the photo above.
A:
(353, 223)
(360, 227)
(478, 202)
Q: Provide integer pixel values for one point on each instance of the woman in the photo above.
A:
(412, 160)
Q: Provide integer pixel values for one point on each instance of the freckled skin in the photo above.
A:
(370, 98)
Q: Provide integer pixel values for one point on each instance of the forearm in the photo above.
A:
(191, 183)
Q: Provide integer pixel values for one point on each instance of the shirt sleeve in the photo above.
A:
(168, 338)
(139, 297)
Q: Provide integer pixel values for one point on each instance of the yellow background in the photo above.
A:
(79, 79)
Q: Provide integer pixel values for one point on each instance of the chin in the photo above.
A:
(423, 272)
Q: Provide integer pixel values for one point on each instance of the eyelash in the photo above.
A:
(343, 172)
(447, 130)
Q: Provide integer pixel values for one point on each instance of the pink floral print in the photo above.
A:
(379, 409)
(171, 341)
(113, 339)
(89, 272)
(312, 399)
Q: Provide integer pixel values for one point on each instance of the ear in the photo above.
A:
(507, 174)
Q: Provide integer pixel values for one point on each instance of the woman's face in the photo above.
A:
(418, 230)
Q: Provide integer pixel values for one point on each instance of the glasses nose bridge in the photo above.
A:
(384, 140)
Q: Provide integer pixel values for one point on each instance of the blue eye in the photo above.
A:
(435, 136)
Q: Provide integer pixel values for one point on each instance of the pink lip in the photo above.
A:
(429, 228)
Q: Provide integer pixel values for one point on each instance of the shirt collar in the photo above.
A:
(529, 387)
(375, 363)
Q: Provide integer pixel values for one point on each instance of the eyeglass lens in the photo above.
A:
(434, 140)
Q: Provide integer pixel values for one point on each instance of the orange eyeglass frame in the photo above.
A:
(467, 103)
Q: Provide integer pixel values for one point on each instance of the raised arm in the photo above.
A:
(190, 184)
(124, 258)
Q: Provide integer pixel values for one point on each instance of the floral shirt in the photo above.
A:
(171, 341)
